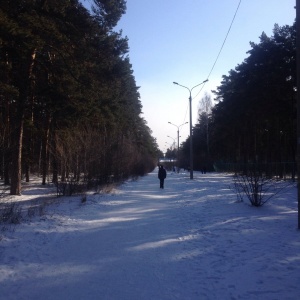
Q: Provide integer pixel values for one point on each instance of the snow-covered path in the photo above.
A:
(191, 240)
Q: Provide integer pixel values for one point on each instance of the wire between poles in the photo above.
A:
(236, 11)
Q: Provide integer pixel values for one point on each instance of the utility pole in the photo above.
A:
(191, 140)
(177, 126)
(298, 102)
(191, 126)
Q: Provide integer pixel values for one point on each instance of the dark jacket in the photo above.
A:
(162, 174)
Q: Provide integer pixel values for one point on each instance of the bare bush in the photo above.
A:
(256, 186)
(69, 188)
(36, 210)
(10, 213)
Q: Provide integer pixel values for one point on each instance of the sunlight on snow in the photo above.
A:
(121, 202)
(292, 259)
(44, 271)
(162, 243)
(151, 245)
(229, 221)
(160, 196)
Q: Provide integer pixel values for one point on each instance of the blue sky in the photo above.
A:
(175, 40)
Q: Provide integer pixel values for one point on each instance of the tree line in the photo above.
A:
(69, 103)
(254, 116)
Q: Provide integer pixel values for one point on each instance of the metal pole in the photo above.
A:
(298, 102)
(191, 127)
(177, 150)
(191, 140)
(177, 126)
(177, 139)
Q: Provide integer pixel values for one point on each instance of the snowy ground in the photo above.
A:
(192, 240)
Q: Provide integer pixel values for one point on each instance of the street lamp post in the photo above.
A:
(177, 132)
(191, 126)
(173, 140)
(168, 144)
(177, 126)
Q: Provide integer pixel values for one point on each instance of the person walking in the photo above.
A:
(162, 174)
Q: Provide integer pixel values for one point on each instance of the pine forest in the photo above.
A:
(70, 107)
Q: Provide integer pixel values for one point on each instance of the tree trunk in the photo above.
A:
(45, 146)
(54, 161)
(6, 150)
(24, 80)
(27, 172)
(16, 171)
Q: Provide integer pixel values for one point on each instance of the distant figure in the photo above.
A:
(162, 174)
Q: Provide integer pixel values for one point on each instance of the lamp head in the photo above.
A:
(175, 82)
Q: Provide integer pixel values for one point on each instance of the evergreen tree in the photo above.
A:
(254, 119)
(68, 84)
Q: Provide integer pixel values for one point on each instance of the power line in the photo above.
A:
(224, 39)
(186, 111)
(222, 45)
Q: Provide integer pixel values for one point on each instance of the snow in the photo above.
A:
(191, 240)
